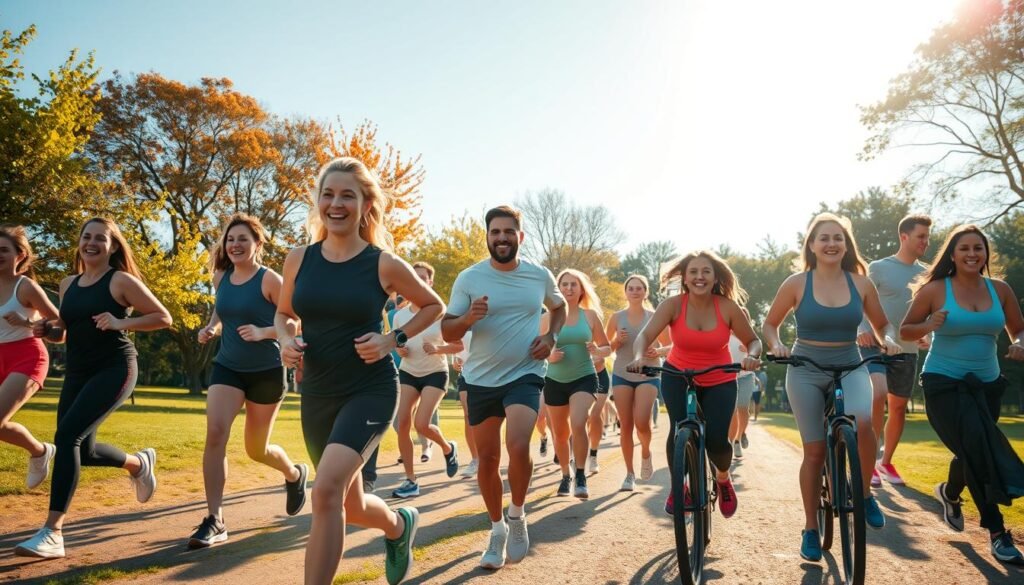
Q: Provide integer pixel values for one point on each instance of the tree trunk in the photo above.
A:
(195, 359)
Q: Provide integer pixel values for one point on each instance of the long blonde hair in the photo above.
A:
(647, 290)
(727, 284)
(852, 260)
(122, 259)
(588, 298)
(371, 223)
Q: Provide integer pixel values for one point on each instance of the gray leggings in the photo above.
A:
(744, 390)
(806, 387)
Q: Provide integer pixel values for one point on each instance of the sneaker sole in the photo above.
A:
(404, 496)
(195, 543)
(409, 543)
(25, 552)
(491, 566)
(152, 468)
(942, 502)
(583, 496)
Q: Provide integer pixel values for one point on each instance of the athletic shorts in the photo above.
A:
(484, 402)
(437, 380)
(620, 381)
(263, 387)
(899, 376)
(557, 393)
(756, 397)
(357, 420)
(604, 384)
(25, 356)
(460, 383)
(744, 390)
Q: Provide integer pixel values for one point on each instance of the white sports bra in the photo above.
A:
(9, 333)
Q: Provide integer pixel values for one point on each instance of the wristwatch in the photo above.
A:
(400, 337)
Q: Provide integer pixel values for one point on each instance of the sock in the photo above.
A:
(579, 472)
(499, 527)
(515, 511)
(593, 452)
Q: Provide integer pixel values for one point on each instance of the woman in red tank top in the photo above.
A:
(700, 321)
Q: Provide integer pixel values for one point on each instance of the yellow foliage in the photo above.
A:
(458, 245)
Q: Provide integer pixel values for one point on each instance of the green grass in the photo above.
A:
(93, 576)
(175, 424)
(921, 458)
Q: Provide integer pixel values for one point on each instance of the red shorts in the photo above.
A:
(25, 356)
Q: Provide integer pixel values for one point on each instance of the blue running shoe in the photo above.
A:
(810, 549)
(873, 514)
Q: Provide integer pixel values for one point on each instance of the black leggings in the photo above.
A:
(943, 414)
(717, 403)
(86, 400)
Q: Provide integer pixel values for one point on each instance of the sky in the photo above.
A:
(701, 122)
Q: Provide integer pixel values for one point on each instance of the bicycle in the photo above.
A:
(842, 491)
(691, 469)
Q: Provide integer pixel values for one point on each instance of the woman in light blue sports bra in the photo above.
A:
(965, 312)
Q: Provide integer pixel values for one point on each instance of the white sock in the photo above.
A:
(515, 511)
(499, 527)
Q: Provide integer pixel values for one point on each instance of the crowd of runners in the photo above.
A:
(532, 351)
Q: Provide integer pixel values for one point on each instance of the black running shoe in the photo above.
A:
(210, 531)
(451, 460)
(296, 491)
(565, 486)
(544, 446)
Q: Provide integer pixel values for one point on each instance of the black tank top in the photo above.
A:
(87, 346)
(338, 302)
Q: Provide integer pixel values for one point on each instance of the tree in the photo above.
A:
(961, 105)
(455, 247)
(44, 182)
(875, 216)
(1007, 238)
(647, 260)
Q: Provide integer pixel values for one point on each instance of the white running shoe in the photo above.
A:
(594, 465)
(145, 481)
(494, 556)
(470, 469)
(39, 467)
(737, 450)
(44, 544)
(628, 484)
(647, 468)
(518, 539)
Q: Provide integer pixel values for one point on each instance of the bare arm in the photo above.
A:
(135, 294)
(925, 314)
(744, 331)
(1014, 320)
(285, 320)
(876, 317)
(666, 312)
(602, 348)
(785, 301)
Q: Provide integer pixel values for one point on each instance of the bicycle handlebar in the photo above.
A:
(652, 371)
(799, 360)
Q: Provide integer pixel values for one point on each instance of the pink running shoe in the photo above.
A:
(889, 473)
(727, 498)
(876, 480)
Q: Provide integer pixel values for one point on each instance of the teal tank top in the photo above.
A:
(244, 304)
(815, 322)
(576, 363)
(966, 342)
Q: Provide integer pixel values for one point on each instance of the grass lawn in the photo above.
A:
(921, 459)
(175, 424)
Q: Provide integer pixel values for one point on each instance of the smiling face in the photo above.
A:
(10, 257)
(96, 244)
(503, 238)
(829, 243)
(699, 276)
(570, 288)
(969, 254)
(636, 291)
(240, 244)
(341, 203)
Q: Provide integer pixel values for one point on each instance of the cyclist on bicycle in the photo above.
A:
(829, 298)
(700, 321)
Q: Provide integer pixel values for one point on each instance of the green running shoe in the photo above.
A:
(398, 552)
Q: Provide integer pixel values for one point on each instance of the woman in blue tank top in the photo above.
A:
(247, 371)
(964, 312)
(334, 292)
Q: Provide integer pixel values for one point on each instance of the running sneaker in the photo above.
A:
(428, 452)
(494, 556)
(951, 511)
(565, 486)
(39, 467)
(145, 482)
(44, 544)
(743, 441)
(518, 539)
(727, 498)
(593, 464)
(544, 446)
(451, 460)
(1005, 551)
(398, 552)
(647, 468)
(210, 531)
(670, 504)
(876, 480)
(408, 489)
(368, 486)
(889, 474)
(670, 507)
(873, 514)
(581, 487)
(628, 484)
(737, 450)
(471, 469)
(810, 548)
(296, 491)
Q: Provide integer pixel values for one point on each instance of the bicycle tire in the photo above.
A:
(850, 506)
(826, 512)
(689, 548)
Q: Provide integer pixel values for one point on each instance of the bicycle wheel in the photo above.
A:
(850, 506)
(688, 534)
(826, 513)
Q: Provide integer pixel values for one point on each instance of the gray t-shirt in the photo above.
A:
(892, 278)
(501, 341)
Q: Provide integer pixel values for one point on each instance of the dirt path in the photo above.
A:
(614, 538)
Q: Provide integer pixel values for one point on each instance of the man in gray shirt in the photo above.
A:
(499, 300)
(893, 277)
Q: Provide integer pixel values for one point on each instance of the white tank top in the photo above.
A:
(418, 362)
(9, 333)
